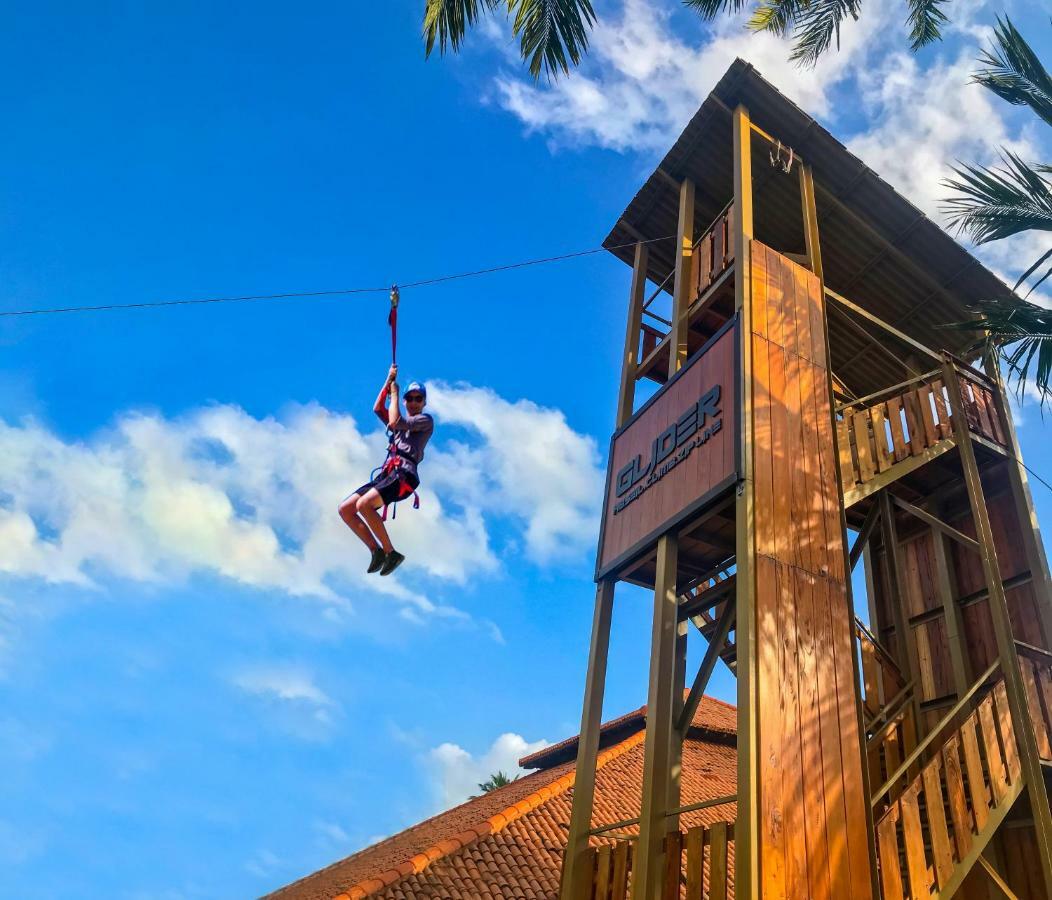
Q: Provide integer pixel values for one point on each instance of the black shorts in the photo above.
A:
(394, 486)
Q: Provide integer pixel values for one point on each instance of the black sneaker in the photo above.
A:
(379, 558)
(393, 561)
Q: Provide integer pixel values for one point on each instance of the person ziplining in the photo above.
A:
(398, 477)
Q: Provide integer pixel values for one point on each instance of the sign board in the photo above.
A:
(674, 455)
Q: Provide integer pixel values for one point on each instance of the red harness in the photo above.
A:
(393, 462)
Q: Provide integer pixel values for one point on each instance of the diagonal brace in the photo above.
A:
(864, 534)
(701, 680)
(935, 523)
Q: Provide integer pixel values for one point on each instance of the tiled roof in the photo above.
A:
(712, 715)
(509, 843)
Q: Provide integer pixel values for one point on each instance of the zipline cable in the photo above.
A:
(427, 282)
(333, 293)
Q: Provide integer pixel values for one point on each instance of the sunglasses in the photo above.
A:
(414, 398)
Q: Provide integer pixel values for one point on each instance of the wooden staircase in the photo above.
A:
(885, 436)
(934, 829)
(705, 602)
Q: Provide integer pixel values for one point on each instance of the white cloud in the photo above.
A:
(641, 81)
(264, 864)
(456, 773)
(924, 119)
(331, 833)
(290, 685)
(530, 464)
(218, 491)
(292, 699)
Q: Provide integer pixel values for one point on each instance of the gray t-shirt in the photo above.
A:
(410, 435)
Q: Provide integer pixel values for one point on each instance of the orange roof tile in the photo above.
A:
(509, 843)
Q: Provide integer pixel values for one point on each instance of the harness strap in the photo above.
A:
(392, 320)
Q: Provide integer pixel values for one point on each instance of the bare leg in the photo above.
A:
(349, 514)
(367, 507)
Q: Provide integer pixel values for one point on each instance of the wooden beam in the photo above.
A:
(864, 534)
(935, 523)
(876, 320)
(747, 825)
(705, 670)
(577, 874)
(955, 634)
(997, 879)
(894, 357)
(1024, 503)
(810, 213)
(630, 359)
(894, 580)
(657, 754)
(1002, 625)
(682, 283)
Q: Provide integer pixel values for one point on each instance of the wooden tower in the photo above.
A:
(810, 415)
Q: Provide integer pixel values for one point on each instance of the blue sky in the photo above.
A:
(201, 695)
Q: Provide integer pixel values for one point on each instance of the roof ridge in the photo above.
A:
(497, 822)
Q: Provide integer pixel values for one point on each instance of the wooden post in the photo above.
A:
(810, 210)
(1037, 561)
(630, 360)
(962, 678)
(1002, 624)
(894, 579)
(747, 825)
(647, 869)
(681, 286)
(577, 874)
(814, 255)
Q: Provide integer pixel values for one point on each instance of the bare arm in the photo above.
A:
(380, 407)
(394, 412)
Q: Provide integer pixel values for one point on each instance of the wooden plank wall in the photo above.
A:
(922, 596)
(814, 840)
(1011, 559)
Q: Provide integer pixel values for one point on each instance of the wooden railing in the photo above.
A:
(939, 824)
(713, 253)
(887, 704)
(978, 398)
(698, 865)
(711, 257)
(880, 431)
(1035, 666)
(908, 424)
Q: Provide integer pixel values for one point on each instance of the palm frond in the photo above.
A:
(1022, 334)
(446, 21)
(996, 203)
(709, 9)
(926, 20)
(817, 24)
(553, 34)
(1014, 72)
(777, 16)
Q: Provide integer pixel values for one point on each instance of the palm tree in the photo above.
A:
(497, 780)
(553, 34)
(995, 203)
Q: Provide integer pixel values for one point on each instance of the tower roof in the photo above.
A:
(878, 249)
